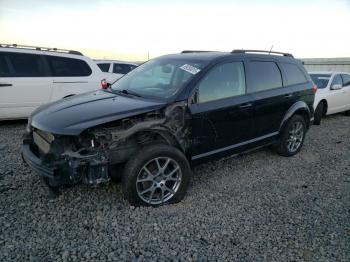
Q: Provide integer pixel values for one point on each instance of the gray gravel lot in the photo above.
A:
(254, 207)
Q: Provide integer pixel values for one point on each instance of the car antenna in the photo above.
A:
(270, 49)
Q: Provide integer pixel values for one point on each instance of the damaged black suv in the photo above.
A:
(152, 125)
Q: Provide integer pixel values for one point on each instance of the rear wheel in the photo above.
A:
(157, 175)
(292, 137)
(319, 112)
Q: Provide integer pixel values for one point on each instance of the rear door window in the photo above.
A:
(293, 74)
(68, 67)
(346, 80)
(104, 67)
(21, 65)
(223, 81)
(264, 76)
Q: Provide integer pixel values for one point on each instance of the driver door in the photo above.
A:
(222, 112)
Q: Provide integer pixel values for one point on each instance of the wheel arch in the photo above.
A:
(325, 109)
(300, 108)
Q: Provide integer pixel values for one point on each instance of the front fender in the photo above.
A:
(299, 107)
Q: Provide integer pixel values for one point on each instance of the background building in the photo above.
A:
(327, 64)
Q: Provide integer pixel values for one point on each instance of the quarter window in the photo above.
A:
(264, 76)
(293, 74)
(21, 65)
(104, 67)
(223, 81)
(64, 66)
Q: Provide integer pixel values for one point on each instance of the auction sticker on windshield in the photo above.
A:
(191, 69)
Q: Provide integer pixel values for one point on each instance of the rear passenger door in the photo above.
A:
(71, 76)
(271, 99)
(25, 83)
(221, 113)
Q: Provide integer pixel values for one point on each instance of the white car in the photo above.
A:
(333, 93)
(32, 76)
(115, 68)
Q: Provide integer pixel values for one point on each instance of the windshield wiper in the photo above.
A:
(128, 92)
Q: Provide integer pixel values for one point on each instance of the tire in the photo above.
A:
(157, 175)
(347, 113)
(319, 112)
(283, 146)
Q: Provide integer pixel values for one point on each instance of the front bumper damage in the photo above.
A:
(88, 157)
(70, 169)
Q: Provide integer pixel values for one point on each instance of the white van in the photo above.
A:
(32, 76)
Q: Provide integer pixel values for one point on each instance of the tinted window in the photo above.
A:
(104, 67)
(4, 69)
(320, 80)
(21, 65)
(293, 74)
(337, 80)
(122, 68)
(225, 80)
(265, 76)
(64, 66)
(346, 80)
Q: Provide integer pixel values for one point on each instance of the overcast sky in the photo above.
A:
(131, 29)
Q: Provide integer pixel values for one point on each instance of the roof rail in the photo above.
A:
(40, 48)
(194, 51)
(242, 51)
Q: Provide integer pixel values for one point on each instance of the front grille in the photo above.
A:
(43, 140)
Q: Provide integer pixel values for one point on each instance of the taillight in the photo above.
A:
(314, 89)
(104, 84)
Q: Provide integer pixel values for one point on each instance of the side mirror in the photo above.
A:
(336, 87)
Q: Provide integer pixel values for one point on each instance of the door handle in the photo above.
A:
(288, 95)
(5, 84)
(246, 105)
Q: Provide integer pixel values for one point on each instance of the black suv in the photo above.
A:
(153, 124)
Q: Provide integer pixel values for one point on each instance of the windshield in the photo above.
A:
(320, 80)
(158, 78)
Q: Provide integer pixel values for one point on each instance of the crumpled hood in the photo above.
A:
(73, 115)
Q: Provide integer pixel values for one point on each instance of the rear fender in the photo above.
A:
(301, 108)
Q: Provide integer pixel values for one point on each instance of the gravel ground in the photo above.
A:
(254, 207)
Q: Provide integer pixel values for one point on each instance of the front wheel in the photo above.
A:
(157, 175)
(292, 137)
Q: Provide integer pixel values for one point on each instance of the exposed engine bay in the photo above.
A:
(90, 156)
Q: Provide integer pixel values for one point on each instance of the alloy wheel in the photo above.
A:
(295, 138)
(158, 180)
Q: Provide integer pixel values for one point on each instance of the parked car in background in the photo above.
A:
(169, 112)
(115, 68)
(32, 76)
(333, 95)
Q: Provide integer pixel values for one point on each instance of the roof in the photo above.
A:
(210, 56)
